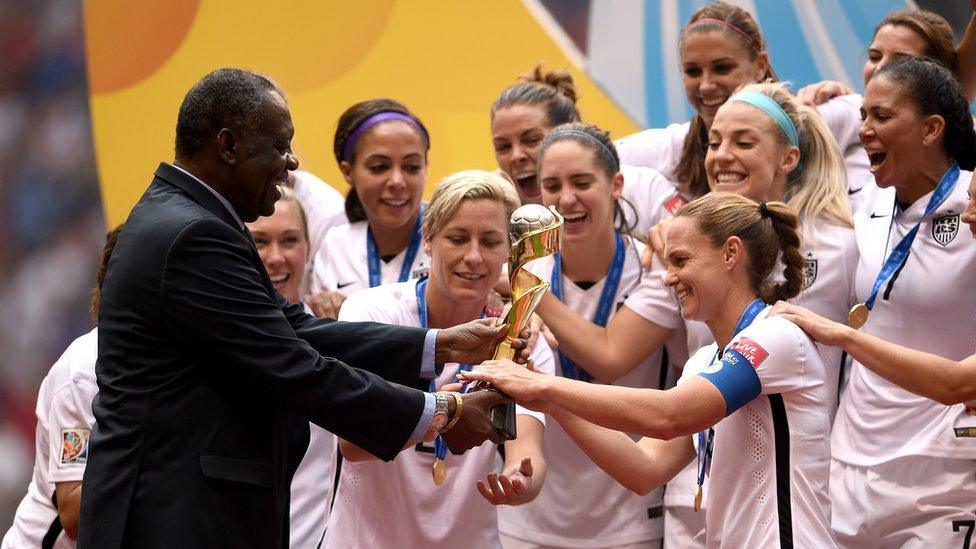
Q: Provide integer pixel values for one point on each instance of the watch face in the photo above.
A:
(439, 421)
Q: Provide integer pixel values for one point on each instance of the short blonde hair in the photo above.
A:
(466, 185)
(289, 195)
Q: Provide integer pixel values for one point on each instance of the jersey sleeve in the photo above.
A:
(843, 116)
(70, 421)
(767, 358)
(651, 197)
(372, 305)
(658, 148)
(323, 269)
(654, 301)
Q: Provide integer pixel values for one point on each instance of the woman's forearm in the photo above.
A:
(925, 374)
(966, 52)
(605, 353)
(688, 408)
(638, 466)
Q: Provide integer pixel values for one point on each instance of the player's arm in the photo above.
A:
(925, 374)
(69, 505)
(966, 52)
(605, 353)
(692, 406)
(524, 470)
(639, 466)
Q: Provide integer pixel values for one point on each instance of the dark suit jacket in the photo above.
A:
(207, 378)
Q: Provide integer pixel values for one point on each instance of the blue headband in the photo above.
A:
(579, 133)
(374, 120)
(772, 109)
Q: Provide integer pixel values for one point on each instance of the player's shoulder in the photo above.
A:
(386, 303)
(341, 234)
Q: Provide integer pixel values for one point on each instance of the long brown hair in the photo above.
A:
(740, 25)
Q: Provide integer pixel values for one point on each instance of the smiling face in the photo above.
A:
(583, 194)
(280, 240)
(388, 173)
(892, 133)
(262, 160)
(714, 64)
(468, 252)
(890, 43)
(747, 154)
(696, 270)
(517, 132)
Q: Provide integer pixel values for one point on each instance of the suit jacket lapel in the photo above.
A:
(196, 191)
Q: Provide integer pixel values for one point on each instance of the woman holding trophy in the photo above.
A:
(762, 386)
(466, 235)
(598, 265)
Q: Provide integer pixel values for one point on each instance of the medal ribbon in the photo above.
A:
(899, 254)
(373, 254)
(604, 306)
(440, 447)
(706, 437)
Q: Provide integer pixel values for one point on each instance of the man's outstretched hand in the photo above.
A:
(475, 341)
(474, 426)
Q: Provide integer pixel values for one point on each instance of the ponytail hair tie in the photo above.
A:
(763, 211)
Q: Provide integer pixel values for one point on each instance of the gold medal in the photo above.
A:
(698, 498)
(440, 472)
(858, 316)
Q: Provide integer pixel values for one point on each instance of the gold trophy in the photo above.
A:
(536, 232)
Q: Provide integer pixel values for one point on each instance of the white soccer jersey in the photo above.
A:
(928, 306)
(324, 208)
(651, 196)
(771, 462)
(311, 487)
(657, 148)
(580, 505)
(830, 261)
(64, 422)
(342, 265)
(843, 117)
(396, 504)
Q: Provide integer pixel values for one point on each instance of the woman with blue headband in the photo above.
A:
(381, 148)
(762, 386)
(763, 145)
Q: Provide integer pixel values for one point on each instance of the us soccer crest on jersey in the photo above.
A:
(945, 228)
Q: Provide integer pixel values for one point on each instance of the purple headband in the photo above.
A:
(365, 125)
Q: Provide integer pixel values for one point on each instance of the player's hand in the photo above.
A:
(474, 427)
(475, 341)
(819, 328)
(656, 237)
(326, 304)
(518, 382)
(508, 489)
(821, 92)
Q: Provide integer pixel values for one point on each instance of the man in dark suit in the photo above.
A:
(207, 376)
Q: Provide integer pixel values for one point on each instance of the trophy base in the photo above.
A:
(503, 419)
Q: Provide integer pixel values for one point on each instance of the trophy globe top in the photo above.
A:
(529, 218)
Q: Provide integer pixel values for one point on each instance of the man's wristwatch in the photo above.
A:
(442, 412)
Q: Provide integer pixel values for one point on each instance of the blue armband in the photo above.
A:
(735, 378)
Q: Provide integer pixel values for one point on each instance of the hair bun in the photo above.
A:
(561, 80)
